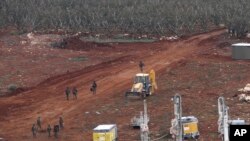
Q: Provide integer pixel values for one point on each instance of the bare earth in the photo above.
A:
(199, 68)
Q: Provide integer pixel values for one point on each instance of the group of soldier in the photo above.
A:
(56, 128)
(38, 127)
(94, 85)
(75, 91)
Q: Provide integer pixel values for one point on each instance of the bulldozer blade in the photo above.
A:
(132, 94)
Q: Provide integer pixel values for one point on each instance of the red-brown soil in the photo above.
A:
(196, 67)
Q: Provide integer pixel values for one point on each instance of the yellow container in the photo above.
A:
(190, 128)
(107, 132)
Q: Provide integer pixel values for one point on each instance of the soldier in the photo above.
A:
(39, 123)
(49, 130)
(56, 130)
(74, 91)
(67, 92)
(61, 124)
(34, 130)
(94, 87)
(141, 65)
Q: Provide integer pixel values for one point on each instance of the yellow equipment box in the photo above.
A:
(107, 132)
(190, 127)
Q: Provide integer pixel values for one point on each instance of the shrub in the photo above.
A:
(59, 44)
(12, 87)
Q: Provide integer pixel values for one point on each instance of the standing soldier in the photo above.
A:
(74, 91)
(39, 123)
(141, 65)
(94, 87)
(48, 130)
(34, 130)
(67, 92)
(56, 130)
(61, 124)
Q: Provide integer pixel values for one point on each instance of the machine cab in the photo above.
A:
(141, 78)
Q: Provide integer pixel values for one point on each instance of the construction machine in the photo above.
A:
(144, 85)
(224, 122)
(183, 127)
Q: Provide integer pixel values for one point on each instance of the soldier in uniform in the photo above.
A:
(94, 87)
(61, 124)
(39, 123)
(49, 130)
(67, 92)
(34, 130)
(141, 65)
(74, 91)
(56, 130)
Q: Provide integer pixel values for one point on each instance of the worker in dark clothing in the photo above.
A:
(74, 91)
(49, 130)
(56, 130)
(141, 65)
(34, 130)
(67, 92)
(94, 87)
(39, 123)
(61, 124)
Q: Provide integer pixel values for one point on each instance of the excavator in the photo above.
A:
(144, 85)
(224, 122)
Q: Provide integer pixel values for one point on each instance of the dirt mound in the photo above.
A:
(72, 42)
(75, 43)
(224, 45)
(46, 39)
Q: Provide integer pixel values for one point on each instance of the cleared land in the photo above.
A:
(199, 68)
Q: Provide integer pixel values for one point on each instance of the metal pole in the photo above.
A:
(178, 115)
(144, 125)
(221, 112)
(223, 119)
(226, 134)
(145, 112)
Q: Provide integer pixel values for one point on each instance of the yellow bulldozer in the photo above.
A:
(144, 85)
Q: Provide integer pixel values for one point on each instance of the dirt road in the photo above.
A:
(19, 112)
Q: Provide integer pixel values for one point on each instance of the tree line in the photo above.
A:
(127, 16)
